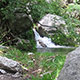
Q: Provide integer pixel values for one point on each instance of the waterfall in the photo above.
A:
(42, 42)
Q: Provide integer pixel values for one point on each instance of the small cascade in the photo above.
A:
(42, 42)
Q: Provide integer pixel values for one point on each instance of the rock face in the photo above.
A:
(71, 69)
(50, 23)
(10, 70)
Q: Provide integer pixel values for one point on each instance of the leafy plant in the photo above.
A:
(40, 7)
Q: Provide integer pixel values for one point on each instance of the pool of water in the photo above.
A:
(55, 50)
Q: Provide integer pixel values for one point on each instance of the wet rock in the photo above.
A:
(42, 44)
(71, 69)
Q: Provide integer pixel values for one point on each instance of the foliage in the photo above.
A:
(37, 9)
(41, 7)
(62, 39)
(10, 7)
(44, 62)
(27, 42)
(72, 19)
(73, 7)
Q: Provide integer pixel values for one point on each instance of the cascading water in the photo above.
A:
(45, 41)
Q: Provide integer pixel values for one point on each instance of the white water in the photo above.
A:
(46, 41)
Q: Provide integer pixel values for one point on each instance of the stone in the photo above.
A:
(10, 65)
(2, 71)
(71, 69)
(42, 44)
(10, 70)
(9, 77)
(30, 53)
(50, 23)
(22, 23)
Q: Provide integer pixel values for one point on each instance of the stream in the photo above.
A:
(45, 42)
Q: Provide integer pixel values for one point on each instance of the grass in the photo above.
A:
(40, 66)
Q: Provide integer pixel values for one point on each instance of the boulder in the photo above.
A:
(8, 64)
(51, 23)
(10, 70)
(71, 69)
(22, 23)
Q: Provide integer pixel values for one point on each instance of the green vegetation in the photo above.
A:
(41, 66)
(72, 18)
(37, 9)
(41, 8)
(73, 21)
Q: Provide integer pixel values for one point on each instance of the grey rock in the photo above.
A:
(17, 75)
(22, 23)
(71, 69)
(8, 64)
(41, 43)
(10, 70)
(9, 77)
(50, 23)
(2, 71)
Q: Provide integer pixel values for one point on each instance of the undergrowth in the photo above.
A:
(41, 66)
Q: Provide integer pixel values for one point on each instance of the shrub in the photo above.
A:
(72, 18)
(41, 7)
